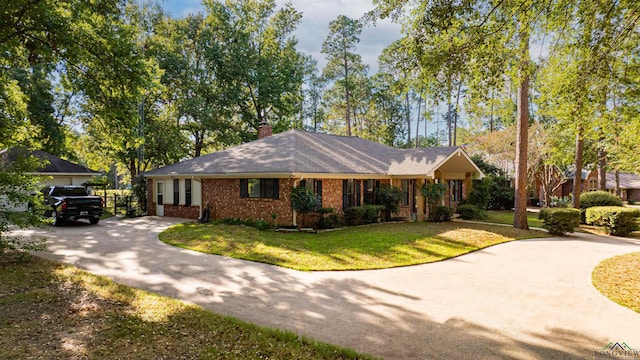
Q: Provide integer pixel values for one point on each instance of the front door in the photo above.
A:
(160, 198)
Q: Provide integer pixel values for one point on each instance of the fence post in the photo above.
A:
(115, 204)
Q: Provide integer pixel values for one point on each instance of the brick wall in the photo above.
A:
(332, 194)
(223, 195)
(181, 211)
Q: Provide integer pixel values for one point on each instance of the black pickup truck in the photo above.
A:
(71, 203)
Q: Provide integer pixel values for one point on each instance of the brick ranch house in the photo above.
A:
(628, 183)
(255, 180)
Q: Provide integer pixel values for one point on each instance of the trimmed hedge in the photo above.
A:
(441, 214)
(469, 212)
(559, 221)
(598, 198)
(359, 215)
(615, 220)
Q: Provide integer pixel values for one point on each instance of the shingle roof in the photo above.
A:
(627, 181)
(54, 164)
(296, 151)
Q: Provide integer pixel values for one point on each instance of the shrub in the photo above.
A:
(433, 194)
(440, 214)
(480, 194)
(328, 222)
(631, 202)
(598, 198)
(233, 221)
(560, 202)
(468, 212)
(389, 197)
(359, 215)
(616, 220)
(354, 215)
(262, 224)
(559, 220)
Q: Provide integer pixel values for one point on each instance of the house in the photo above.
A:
(255, 180)
(628, 183)
(55, 171)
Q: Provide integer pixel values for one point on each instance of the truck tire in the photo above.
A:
(54, 218)
(93, 220)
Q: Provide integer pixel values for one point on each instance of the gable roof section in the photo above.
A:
(300, 152)
(54, 165)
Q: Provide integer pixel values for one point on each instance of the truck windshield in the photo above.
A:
(60, 191)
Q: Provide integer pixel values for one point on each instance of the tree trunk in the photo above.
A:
(449, 121)
(407, 105)
(602, 168)
(346, 92)
(418, 120)
(522, 134)
(577, 178)
(455, 118)
(618, 183)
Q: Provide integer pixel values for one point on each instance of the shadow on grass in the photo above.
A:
(369, 247)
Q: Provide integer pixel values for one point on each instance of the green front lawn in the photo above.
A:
(506, 217)
(53, 311)
(357, 248)
(618, 279)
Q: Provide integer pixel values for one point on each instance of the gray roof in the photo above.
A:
(53, 164)
(627, 181)
(297, 152)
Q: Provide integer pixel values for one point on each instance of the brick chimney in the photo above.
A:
(264, 130)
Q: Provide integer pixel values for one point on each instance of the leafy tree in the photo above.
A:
(389, 197)
(257, 60)
(185, 48)
(433, 194)
(343, 63)
(304, 200)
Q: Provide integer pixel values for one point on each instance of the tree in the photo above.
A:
(343, 63)
(186, 50)
(256, 60)
(37, 37)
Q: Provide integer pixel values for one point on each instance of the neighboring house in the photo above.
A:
(56, 171)
(629, 184)
(255, 180)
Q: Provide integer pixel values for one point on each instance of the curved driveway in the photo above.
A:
(529, 299)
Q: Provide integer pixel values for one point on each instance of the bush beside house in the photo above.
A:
(596, 198)
(470, 212)
(559, 221)
(615, 220)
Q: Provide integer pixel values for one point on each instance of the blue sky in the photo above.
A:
(314, 28)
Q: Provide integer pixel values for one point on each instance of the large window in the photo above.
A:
(314, 185)
(593, 185)
(259, 188)
(405, 192)
(455, 188)
(176, 191)
(370, 187)
(187, 192)
(350, 193)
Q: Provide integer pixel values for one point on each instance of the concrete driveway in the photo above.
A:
(530, 299)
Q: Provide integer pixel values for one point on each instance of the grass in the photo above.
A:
(357, 248)
(506, 217)
(48, 310)
(618, 279)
